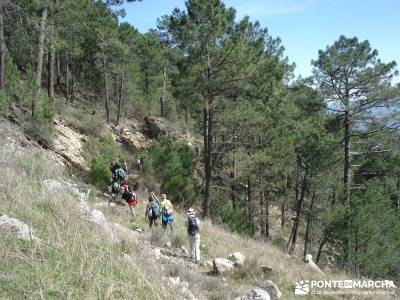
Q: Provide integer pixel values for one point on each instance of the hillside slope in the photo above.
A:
(89, 249)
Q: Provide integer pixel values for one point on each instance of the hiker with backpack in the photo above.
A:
(117, 177)
(152, 212)
(130, 197)
(193, 226)
(167, 212)
(119, 174)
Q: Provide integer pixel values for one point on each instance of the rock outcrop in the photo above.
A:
(255, 294)
(223, 265)
(237, 258)
(269, 291)
(16, 228)
(156, 128)
(130, 134)
(272, 290)
(68, 144)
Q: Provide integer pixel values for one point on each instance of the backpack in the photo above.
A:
(120, 174)
(154, 210)
(193, 228)
(115, 187)
(128, 195)
(168, 211)
(130, 198)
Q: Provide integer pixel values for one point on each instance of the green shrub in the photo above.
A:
(223, 213)
(109, 148)
(99, 172)
(102, 153)
(172, 165)
(41, 125)
(31, 89)
(13, 87)
(4, 100)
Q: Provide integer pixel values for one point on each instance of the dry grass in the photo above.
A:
(217, 242)
(72, 261)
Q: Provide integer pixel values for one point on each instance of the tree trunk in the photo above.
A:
(147, 91)
(120, 96)
(283, 208)
(51, 75)
(347, 159)
(233, 193)
(207, 133)
(72, 89)
(186, 114)
(105, 78)
(308, 228)
(162, 98)
(66, 77)
(265, 215)
(321, 245)
(250, 209)
(397, 206)
(208, 138)
(2, 50)
(39, 59)
(124, 96)
(347, 184)
(299, 208)
(262, 216)
(233, 177)
(58, 80)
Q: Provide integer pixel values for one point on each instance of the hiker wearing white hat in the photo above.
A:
(193, 226)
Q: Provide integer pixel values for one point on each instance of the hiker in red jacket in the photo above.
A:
(130, 197)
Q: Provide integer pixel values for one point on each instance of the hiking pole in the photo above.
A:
(155, 197)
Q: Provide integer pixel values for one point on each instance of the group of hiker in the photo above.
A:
(155, 209)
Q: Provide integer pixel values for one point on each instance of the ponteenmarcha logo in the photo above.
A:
(302, 288)
(346, 286)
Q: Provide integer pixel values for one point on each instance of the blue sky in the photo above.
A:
(305, 26)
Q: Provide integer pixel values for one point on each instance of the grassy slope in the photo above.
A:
(218, 242)
(73, 261)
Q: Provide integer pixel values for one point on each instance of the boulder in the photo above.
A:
(222, 265)
(174, 281)
(269, 291)
(272, 290)
(312, 264)
(257, 293)
(208, 263)
(17, 228)
(184, 250)
(237, 258)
